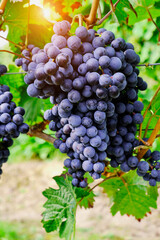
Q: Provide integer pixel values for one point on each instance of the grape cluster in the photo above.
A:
(92, 80)
(122, 125)
(11, 120)
(149, 167)
(152, 171)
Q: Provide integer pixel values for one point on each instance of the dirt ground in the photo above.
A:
(21, 200)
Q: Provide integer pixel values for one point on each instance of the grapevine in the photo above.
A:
(97, 112)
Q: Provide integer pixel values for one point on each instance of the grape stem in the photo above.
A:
(153, 20)
(99, 12)
(148, 64)
(16, 54)
(2, 6)
(112, 6)
(145, 113)
(149, 121)
(109, 177)
(37, 131)
(108, 14)
(80, 18)
(93, 13)
(144, 142)
(42, 135)
(11, 42)
(150, 140)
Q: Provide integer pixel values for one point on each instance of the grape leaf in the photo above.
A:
(16, 18)
(142, 14)
(130, 194)
(60, 208)
(33, 107)
(87, 201)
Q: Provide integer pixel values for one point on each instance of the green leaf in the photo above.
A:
(142, 14)
(33, 108)
(60, 208)
(16, 19)
(87, 201)
(130, 195)
(81, 192)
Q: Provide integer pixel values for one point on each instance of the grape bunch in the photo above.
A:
(11, 120)
(149, 167)
(93, 83)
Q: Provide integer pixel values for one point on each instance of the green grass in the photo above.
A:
(34, 231)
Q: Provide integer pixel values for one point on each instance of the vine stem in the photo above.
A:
(11, 42)
(108, 14)
(93, 13)
(112, 6)
(2, 6)
(112, 176)
(99, 12)
(153, 20)
(117, 174)
(42, 135)
(145, 113)
(150, 140)
(37, 131)
(149, 121)
(148, 64)
(14, 73)
(16, 54)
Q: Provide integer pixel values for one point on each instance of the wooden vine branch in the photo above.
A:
(112, 6)
(149, 122)
(145, 113)
(110, 175)
(11, 42)
(153, 20)
(2, 6)
(93, 13)
(40, 134)
(37, 131)
(16, 54)
(108, 14)
(150, 140)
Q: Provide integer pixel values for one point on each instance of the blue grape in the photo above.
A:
(143, 167)
(108, 37)
(89, 152)
(133, 161)
(98, 52)
(74, 43)
(76, 164)
(87, 166)
(105, 80)
(92, 64)
(124, 167)
(98, 167)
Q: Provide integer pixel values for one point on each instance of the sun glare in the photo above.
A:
(47, 12)
(38, 3)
